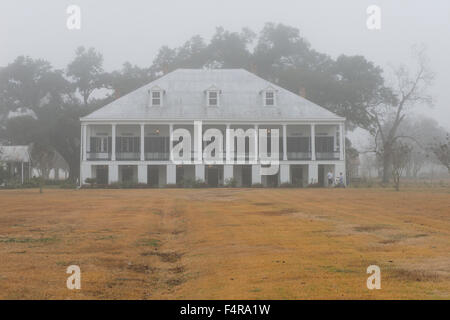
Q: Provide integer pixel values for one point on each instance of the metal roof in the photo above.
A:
(184, 98)
(15, 153)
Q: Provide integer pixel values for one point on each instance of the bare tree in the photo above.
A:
(442, 152)
(3, 172)
(425, 131)
(401, 156)
(409, 90)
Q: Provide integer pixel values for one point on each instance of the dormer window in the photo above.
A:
(156, 96)
(213, 98)
(269, 97)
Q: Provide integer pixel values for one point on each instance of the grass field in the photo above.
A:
(225, 243)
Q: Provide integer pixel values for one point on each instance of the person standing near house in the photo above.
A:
(341, 180)
(330, 178)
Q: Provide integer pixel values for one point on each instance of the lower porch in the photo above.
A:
(237, 175)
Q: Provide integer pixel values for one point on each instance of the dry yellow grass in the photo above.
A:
(225, 243)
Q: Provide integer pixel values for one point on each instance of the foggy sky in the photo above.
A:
(134, 30)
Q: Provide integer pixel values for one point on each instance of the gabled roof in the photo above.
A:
(15, 153)
(156, 88)
(212, 88)
(184, 99)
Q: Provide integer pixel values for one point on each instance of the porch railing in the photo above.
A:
(164, 156)
(327, 155)
(128, 156)
(157, 156)
(299, 155)
(93, 156)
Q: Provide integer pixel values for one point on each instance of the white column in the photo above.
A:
(256, 146)
(142, 142)
(142, 173)
(113, 173)
(313, 173)
(284, 173)
(81, 146)
(341, 142)
(256, 173)
(113, 142)
(200, 172)
(170, 145)
(88, 139)
(227, 172)
(84, 143)
(313, 142)
(227, 144)
(284, 142)
(198, 141)
(171, 174)
(22, 172)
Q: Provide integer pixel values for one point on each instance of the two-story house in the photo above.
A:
(132, 138)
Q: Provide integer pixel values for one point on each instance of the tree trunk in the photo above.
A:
(41, 184)
(386, 165)
(74, 170)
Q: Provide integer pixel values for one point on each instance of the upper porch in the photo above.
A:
(151, 141)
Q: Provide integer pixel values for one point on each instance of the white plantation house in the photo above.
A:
(129, 140)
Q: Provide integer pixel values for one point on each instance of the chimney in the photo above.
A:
(165, 68)
(253, 68)
(302, 92)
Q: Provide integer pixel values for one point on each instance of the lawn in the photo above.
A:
(225, 243)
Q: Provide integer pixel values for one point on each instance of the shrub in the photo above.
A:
(186, 183)
(230, 183)
(3, 174)
(288, 185)
(90, 181)
(13, 184)
(200, 184)
(68, 185)
(128, 184)
(171, 185)
(53, 182)
(257, 185)
(114, 185)
(32, 183)
(314, 185)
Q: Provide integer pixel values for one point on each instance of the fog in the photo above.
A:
(135, 30)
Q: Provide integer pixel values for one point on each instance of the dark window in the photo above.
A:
(128, 144)
(324, 144)
(100, 144)
(298, 144)
(156, 144)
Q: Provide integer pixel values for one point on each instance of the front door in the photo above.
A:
(272, 180)
(127, 174)
(213, 176)
(180, 174)
(246, 176)
(102, 174)
(153, 176)
(297, 175)
(321, 175)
